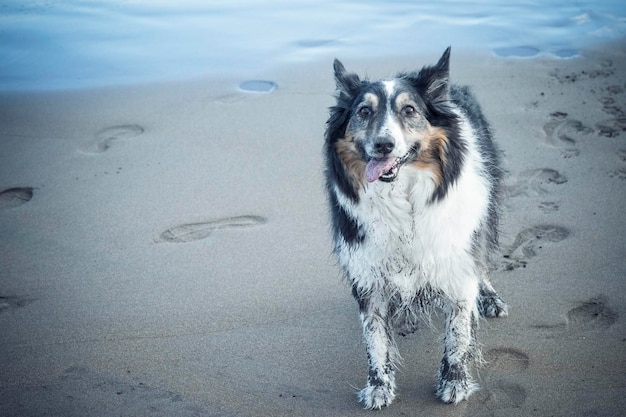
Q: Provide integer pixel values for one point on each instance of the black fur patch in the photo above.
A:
(451, 372)
(343, 225)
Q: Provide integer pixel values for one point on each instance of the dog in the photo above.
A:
(413, 179)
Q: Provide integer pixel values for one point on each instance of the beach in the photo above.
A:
(165, 248)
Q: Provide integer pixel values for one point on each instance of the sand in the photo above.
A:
(165, 249)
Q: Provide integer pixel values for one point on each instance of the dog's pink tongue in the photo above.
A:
(377, 167)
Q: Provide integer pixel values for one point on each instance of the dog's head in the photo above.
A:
(380, 126)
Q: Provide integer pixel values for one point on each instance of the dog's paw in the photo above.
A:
(455, 391)
(493, 306)
(375, 397)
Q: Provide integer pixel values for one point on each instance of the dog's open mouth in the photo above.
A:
(386, 169)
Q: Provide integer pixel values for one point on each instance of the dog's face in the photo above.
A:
(387, 124)
(389, 121)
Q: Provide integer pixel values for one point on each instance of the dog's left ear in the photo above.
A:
(437, 78)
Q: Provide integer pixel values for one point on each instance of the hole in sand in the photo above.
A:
(567, 53)
(258, 86)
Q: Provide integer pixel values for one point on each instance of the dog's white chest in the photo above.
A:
(390, 212)
(392, 253)
(411, 241)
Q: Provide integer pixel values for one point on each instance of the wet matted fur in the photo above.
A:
(413, 179)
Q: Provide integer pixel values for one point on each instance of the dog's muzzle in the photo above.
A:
(386, 169)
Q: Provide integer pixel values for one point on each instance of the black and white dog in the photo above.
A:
(413, 178)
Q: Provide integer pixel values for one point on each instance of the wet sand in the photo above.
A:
(165, 249)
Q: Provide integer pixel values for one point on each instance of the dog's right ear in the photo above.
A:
(347, 83)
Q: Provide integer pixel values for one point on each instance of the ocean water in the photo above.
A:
(65, 44)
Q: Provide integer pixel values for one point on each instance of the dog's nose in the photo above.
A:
(383, 146)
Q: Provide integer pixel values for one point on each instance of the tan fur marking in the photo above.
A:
(352, 162)
(432, 156)
(370, 99)
(402, 100)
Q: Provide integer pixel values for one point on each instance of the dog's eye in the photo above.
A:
(408, 111)
(365, 111)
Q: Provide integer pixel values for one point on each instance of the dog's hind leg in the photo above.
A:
(455, 382)
(489, 302)
(381, 352)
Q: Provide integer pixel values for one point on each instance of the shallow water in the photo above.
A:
(87, 43)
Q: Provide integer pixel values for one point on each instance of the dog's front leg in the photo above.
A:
(455, 382)
(381, 352)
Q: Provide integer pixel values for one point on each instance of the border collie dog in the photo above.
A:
(413, 178)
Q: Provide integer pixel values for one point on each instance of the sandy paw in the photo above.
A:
(106, 137)
(529, 241)
(455, 391)
(197, 231)
(593, 313)
(376, 397)
(14, 197)
(491, 305)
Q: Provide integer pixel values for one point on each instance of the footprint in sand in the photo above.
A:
(504, 395)
(106, 137)
(528, 242)
(560, 132)
(532, 183)
(611, 106)
(593, 313)
(604, 70)
(621, 172)
(548, 206)
(76, 390)
(9, 303)
(506, 359)
(617, 123)
(611, 128)
(498, 392)
(14, 197)
(196, 231)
